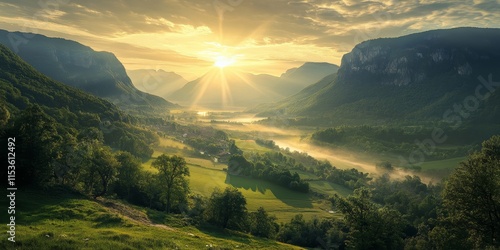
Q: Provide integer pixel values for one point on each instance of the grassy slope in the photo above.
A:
(60, 220)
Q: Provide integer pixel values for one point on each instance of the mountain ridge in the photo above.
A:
(247, 89)
(23, 85)
(78, 65)
(413, 77)
(159, 82)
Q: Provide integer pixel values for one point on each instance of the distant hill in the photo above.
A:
(157, 82)
(308, 73)
(240, 89)
(227, 88)
(414, 77)
(74, 64)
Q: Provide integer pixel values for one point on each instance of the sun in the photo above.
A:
(223, 61)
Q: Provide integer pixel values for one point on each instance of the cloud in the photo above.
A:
(174, 32)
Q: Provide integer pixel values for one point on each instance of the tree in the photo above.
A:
(292, 232)
(91, 134)
(37, 144)
(227, 209)
(370, 227)
(197, 209)
(261, 224)
(472, 195)
(238, 165)
(4, 115)
(100, 171)
(128, 173)
(150, 186)
(66, 168)
(172, 171)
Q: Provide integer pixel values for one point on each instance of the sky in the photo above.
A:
(258, 36)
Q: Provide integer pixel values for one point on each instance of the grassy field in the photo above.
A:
(441, 168)
(206, 175)
(68, 221)
(171, 143)
(277, 200)
(251, 146)
(326, 187)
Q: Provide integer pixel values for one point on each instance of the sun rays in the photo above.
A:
(224, 87)
(224, 61)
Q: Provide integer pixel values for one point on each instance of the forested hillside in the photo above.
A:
(77, 65)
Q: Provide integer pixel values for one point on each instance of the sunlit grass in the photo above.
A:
(251, 146)
(277, 200)
(206, 175)
(205, 163)
(170, 143)
(66, 221)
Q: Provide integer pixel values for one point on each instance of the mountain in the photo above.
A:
(414, 77)
(21, 85)
(158, 82)
(73, 110)
(308, 73)
(74, 64)
(228, 87)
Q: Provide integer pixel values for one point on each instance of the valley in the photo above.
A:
(245, 127)
(396, 148)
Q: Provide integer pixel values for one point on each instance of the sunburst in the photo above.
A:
(223, 61)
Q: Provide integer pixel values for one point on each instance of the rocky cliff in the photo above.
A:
(414, 77)
(419, 57)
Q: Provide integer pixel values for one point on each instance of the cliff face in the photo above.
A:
(417, 58)
(99, 73)
(417, 76)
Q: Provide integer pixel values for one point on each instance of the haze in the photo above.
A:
(261, 36)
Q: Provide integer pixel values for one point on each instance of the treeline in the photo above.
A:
(263, 167)
(267, 143)
(350, 178)
(402, 139)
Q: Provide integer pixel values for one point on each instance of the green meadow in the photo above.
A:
(61, 220)
(277, 200)
(251, 146)
(206, 175)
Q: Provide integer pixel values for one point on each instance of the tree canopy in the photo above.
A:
(472, 195)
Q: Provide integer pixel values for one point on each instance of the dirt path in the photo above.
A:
(130, 213)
